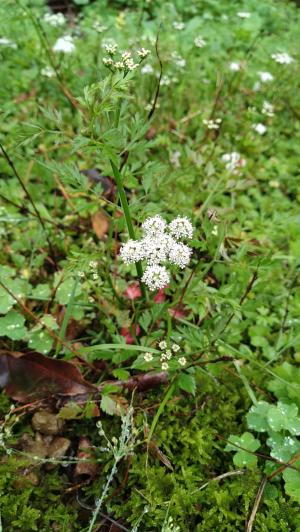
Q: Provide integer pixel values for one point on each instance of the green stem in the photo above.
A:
(166, 398)
(126, 210)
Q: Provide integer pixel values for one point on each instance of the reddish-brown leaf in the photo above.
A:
(100, 224)
(31, 376)
(87, 467)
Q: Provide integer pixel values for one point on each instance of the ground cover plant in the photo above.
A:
(149, 272)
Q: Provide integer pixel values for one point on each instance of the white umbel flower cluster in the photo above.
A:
(122, 61)
(282, 58)
(160, 244)
(54, 19)
(64, 44)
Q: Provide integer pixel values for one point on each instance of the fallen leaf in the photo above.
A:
(33, 376)
(88, 467)
(100, 224)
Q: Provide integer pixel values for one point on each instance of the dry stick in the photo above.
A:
(27, 311)
(250, 522)
(152, 110)
(28, 196)
(220, 477)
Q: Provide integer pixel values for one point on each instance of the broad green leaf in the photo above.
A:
(187, 383)
(257, 416)
(284, 417)
(292, 482)
(64, 291)
(12, 326)
(242, 458)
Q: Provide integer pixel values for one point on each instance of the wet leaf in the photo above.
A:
(31, 376)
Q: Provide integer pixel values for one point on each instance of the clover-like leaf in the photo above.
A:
(292, 482)
(284, 417)
(12, 326)
(257, 416)
(65, 289)
(283, 447)
(243, 458)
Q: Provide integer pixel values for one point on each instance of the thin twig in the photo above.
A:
(152, 110)
(250, 522)
(220, 477)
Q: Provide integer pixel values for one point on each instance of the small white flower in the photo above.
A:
(180, 254)
(162, 345)
(143, 52)
(178, 60)
(54, 19)
(107, 61)
(155, 248)
(80, 274)
(147, 69)
(8, 43)
(259, 128)
(165, 80)
(48, 72)
(95, 276)
(199, 42)
(98, 26)
(93, 264)
(178, 26)
(165, 366)
(130, 64)
(131, 252)
(268, 109)
(110, 48)
(181, 227)
(148, 357)
(163, 357)
(215, 230)
(233, 161)
(64, 44)
(154, 226)
(168, 354)
(182, 361)
(156, 277)
(109, 43)
(175, 158)
(265, 76)
(283, 58)
(212, 124)
(234, 66)
(244, 14)
(175, 347)
(119, 65)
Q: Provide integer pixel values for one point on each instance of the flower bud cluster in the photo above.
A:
(160, 244)
(168, 353)
(123, 61)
